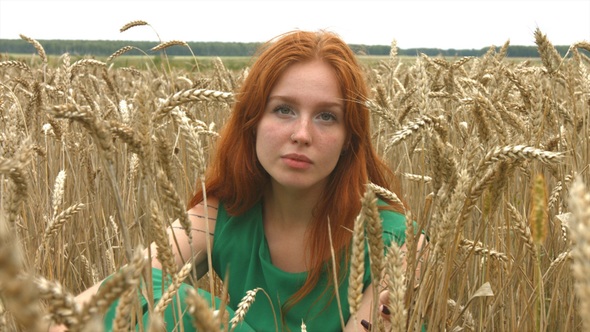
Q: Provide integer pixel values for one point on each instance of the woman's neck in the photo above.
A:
(289, 208)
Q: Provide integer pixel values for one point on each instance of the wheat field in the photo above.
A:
(493, 155)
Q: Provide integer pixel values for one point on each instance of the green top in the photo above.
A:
(240, 246)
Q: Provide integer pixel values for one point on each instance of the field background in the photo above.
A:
(98, 155)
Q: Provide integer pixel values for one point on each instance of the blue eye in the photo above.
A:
(283, 110)
(327, 116)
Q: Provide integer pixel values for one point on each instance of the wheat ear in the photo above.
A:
(202, 316)
(243, 307)
(579, 202)
(17, 290)
(127, 278)
(119, 52)
(15, 64)
(165, 253)
(167, 44)
(62, 305)
(549, 55)
(132, 24)
(357, 265)
(38, 47)
(177, 280)
(192, 95)
(396, 286)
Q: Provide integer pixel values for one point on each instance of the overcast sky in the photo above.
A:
(419, 23)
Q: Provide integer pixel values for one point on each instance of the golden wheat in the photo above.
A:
(466, 135)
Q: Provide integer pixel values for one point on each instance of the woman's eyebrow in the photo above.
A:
(287, 99)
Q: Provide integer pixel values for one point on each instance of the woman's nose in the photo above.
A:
(302, 132)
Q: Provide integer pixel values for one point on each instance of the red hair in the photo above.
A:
(238, 180)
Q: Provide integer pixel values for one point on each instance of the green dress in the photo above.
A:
(240, 249)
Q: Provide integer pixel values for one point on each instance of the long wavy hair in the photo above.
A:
(237, 179)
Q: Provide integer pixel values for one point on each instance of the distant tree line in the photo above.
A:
(101, 48)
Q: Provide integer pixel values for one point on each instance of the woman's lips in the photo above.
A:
(298, 161)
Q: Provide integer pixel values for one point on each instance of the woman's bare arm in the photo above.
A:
(202, 229)
(202, 226)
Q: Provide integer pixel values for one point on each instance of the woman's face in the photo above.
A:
(301, 134)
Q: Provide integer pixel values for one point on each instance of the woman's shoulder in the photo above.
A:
(206, 209)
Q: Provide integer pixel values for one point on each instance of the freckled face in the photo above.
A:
(301, 134)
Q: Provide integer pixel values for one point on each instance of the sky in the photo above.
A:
(459, 24)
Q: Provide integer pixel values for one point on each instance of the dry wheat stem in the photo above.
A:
(468, 321)
(335, 276)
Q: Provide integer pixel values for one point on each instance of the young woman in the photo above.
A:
(292, 162)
